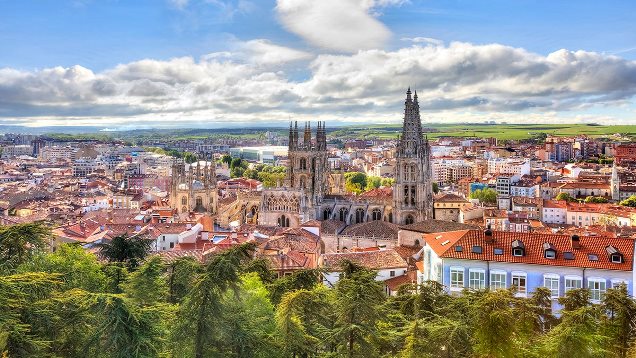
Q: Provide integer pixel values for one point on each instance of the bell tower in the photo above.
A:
(413, 188)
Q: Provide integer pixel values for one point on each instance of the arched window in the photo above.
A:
(406, 194)
(303, 184)
(390, 217)
(592, 193)
(283, 221)
(413, 172)
(326, 214)
(376, 214)
(184, 200)
(409, 220)
(343, 214)
(413, 195)
(359, 215)
(184, 210)
(417, 242)
(303, 164)
(199, 201)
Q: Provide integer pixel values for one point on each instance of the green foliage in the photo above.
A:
(78, 268)
(373, 182)
(486, 195)
(189, 157)
(387, 182)
(596, 199)
(565, 196)
(355, 182)
(147, 285)
(19, 242)
(68, 304)
(436, 188)
(631, 201)
(124, 249)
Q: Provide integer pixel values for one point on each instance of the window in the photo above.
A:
(459, 249)
(568, 255)
(477, 279)
(617, 259)
(498, 251)
(172, 245)
(517, 252)
(551, 282)
(616, 283)
(457, 277)
(476, 249)
(572, 283)
(592, 257)
(519, 282)
(392, 273)
(550, 254)
(497, 280)
(597, 286)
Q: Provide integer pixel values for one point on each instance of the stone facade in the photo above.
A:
(312, 192)
(194, 187)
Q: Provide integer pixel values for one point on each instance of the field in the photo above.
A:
(499, 131)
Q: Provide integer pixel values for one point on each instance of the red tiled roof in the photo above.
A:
(375, 228)
(445, 246)
(377, 259)
(394, 283)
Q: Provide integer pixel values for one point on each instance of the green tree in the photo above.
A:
(126, 330)
(248, 323)
(78, 268)
(18, 242)
(303, 320)
(227, 159)
(486, 195)
(435, 188)
(355, 182)
(198, 329)
(129, 250)
(619, 321)
(495, 326)
(596, 199)
(357, 299)
(300, 279)
(189, 157)
(373, 182)
(565, 196)
(23, 299)
(387, 182)
(147, 285)
(576, 336)
(631, 201)
(182, 274)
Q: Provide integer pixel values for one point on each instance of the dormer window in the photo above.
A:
(549, 252)
(614, 255)
(518, 248)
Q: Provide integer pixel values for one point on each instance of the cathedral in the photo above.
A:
(194, 187)
(309, 190)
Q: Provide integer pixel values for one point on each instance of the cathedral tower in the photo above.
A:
(413, 189)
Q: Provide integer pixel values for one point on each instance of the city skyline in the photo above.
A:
(198, 63)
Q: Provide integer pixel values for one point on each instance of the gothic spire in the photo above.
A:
(412, 142)
(307, 138)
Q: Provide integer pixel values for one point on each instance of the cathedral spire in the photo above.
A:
(307, 138)
(412, 142)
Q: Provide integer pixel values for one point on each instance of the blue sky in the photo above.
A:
(66, 62)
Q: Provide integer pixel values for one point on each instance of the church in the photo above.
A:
(307, 192)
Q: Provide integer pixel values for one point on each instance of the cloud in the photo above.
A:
(263, 52)
(458, 81)
(339, 25)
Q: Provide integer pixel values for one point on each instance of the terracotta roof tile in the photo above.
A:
(445, 245)
(378, 259)
(375, 228)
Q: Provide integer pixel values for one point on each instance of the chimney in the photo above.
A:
(488, 235)
(576, 241)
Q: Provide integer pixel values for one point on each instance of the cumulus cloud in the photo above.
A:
(459, 81)
(340, 25)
